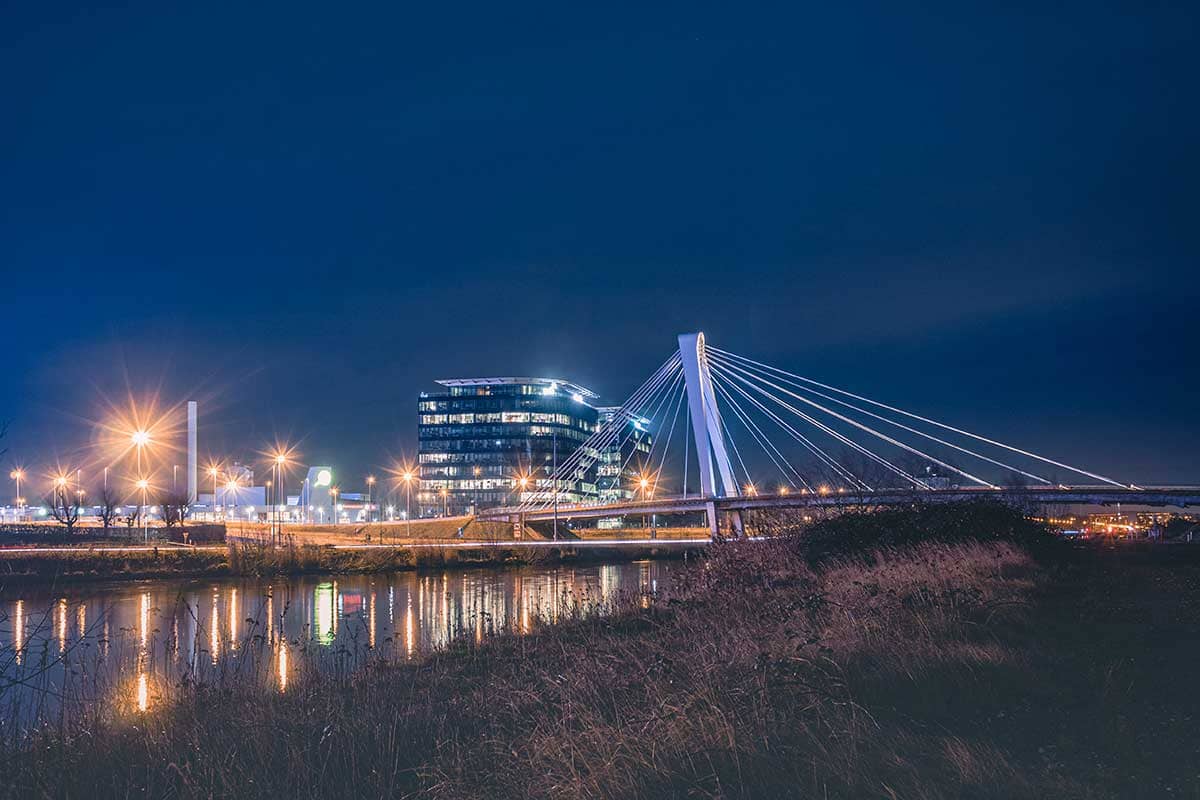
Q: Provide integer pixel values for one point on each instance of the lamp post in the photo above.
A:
(644, 484)
(370, 485)
(212, 473)
(18, 475)
(333, 494)
(143, 484)
(445, 502)
(408, 478)
(140, 438)
(276, 508)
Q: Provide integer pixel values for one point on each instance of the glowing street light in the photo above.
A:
(445, 501)
(644, 485)
(18, 475)
(333, 494)
(140, 439)
(231, 486)
(213, 472)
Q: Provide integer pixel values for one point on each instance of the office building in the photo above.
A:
(487, 442)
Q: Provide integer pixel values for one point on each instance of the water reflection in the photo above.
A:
(168, 633)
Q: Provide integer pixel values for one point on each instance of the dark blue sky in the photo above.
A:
(307, 213)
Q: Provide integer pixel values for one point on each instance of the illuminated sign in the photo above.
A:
(324, 478)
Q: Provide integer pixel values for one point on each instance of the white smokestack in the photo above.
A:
(191, 454)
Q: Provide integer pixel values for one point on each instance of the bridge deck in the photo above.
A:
(1175, 496)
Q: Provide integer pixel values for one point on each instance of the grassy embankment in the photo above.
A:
(251, 559)
(937, 653)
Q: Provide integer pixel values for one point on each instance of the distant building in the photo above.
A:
(619, 466)
(482, 436)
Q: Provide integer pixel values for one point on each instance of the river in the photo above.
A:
(126, 647)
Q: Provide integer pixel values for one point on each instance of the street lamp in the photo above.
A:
(445, 501)
(407, 477)
(18, 475)
(212, 473)
(643, 484)
(277, 467)
(333, 493)
(143, 484)
(370, 484)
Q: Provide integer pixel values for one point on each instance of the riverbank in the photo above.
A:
(935, 653)
(249, 559)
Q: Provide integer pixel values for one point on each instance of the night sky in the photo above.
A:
(304, 214)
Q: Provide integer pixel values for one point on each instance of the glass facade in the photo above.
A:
(619, 466)
(481, 437)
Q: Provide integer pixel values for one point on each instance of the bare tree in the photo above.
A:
(175, 506)
(108, 505)
(64, 507)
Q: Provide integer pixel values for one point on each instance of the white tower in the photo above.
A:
(191, 452)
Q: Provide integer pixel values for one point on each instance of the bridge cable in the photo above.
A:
(926, 420)
(762, 439)
(604, 434)
(902, 426)
(678, 380)
(822, 456)
(663, 382)
(836, 434)
(671, 433)
(618, 424)
(920, 433)
(875, 433)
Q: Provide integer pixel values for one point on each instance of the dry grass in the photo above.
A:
(775, 670)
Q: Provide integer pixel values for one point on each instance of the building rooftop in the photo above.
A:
(550, 383)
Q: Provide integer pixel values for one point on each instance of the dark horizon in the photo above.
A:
(304, 220)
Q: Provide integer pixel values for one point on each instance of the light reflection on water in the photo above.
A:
(131, 643)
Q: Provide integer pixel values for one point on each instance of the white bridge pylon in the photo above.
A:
(707, 428)
(706, 419)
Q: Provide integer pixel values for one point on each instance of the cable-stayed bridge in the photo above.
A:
(825, 447)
